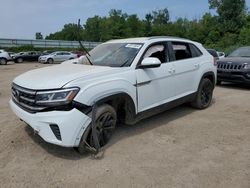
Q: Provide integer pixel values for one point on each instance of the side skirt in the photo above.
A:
(162, 108)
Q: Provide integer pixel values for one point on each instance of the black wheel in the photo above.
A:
(105, 120)
(3, 61)
(50, 61)
(204, 95)
(19, 60)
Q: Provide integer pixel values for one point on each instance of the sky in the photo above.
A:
(21, 19)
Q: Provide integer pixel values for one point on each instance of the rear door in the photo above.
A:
(66, 56)
(185, 59)
(155, 86)
(58, 56)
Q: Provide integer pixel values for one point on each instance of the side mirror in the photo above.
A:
(150, 62)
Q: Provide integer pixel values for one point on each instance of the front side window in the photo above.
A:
(157, 51)
(113, 54)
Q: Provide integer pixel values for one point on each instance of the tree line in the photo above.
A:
(227, 29)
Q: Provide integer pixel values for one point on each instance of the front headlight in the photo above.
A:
(246, 66)
(56, 97)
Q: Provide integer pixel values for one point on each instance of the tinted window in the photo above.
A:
(195, 51)
(158, 51)
(181, 50)
(241, 52)
(213, 52)
(66, 53)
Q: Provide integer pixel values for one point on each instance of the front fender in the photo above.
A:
(95, 91)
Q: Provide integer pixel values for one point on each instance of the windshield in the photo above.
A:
(54, 53)
(241, 52)
(114, 54)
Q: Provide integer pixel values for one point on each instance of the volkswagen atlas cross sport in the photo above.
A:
(80, 102)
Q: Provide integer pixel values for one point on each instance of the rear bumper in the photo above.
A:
(71, 124)
(237, 77)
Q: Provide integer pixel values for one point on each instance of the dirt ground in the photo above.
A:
(179, 148)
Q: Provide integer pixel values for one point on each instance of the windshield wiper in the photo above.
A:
(124, 63)
(81, 45)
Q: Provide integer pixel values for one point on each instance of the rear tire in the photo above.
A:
(3, 61)
(204, 95)
(105, 120)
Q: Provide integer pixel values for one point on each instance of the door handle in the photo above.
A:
(171, 71)
(196, 65)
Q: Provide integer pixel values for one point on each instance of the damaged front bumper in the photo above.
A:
(64, 128)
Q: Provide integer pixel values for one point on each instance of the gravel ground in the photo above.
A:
(182, 147)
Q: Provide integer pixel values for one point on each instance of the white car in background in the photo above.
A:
(4, 57)
(56, 57)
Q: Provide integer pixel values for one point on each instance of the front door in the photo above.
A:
(155, 86)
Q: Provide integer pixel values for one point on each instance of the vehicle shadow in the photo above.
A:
(234, 86)
(121, 132)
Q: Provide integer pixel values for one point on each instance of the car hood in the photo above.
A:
(58, 75)
(235, 60)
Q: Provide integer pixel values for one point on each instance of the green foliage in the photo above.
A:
(39, 35)
(225, 31)
(69, 32)
(232, 14)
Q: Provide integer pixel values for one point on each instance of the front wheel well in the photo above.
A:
(123, 105)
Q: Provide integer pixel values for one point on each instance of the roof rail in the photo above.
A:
(172, 37)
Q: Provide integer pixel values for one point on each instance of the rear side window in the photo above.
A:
(195, 51)
(181, 50)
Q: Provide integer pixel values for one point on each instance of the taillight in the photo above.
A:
(215, 61)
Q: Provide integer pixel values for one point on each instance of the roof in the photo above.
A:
(145, 39)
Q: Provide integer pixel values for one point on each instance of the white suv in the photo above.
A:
(4, 57)
(79, 103)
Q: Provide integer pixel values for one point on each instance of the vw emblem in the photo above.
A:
(17, 95)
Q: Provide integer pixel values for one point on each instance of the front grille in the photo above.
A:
(230, 66)
(25, 98)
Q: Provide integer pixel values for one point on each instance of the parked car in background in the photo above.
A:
(47, 52)
(26, 56)
(235, 67)
(11, 54)
(214, 53)
(56, 57)
(79, 53)
(221, 55)
(4, 57)
(126, 80)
